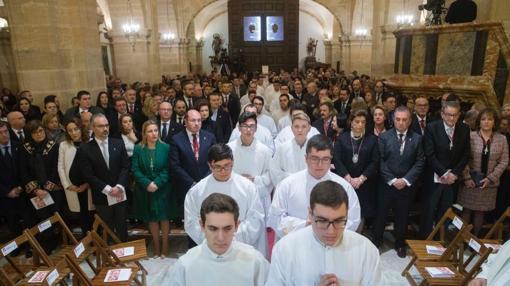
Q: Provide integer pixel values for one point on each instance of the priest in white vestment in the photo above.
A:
(290, 157)
(252, 158)
(264, 119)
(252, 228)
(219, 259)
(283, 109)
(289, 209)
(324, 252)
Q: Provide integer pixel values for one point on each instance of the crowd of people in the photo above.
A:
(319, 158)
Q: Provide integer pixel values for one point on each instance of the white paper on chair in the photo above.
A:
(125, 251)
(44, 225)
(435, 250)
(113, 200)
(440, 272)
(79, 249)
(119, 274)
(457, 222)
(52, 277)
(43, 202)
(9, 248)
(38, 277)
(474, 245)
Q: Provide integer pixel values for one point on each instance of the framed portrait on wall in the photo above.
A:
(274, 28)
(252, 29)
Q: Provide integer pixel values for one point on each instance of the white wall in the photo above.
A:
(310, 27)
(218, 25)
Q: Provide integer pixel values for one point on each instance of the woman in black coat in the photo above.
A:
(356, 159)
(208, 124)
(39, 176)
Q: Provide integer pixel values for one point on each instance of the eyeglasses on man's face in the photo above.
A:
(324, 224)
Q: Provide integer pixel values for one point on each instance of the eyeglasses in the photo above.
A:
(452, 115)
(246, 126)
(324, 224)
(316, 160)
(218, 168)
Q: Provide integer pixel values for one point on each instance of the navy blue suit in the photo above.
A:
(185, 170)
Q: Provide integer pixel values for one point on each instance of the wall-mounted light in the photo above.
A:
(3, 24)
(405, 19)
(361, 32)
(168, 36)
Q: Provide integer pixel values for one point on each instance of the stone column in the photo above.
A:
(7, 68)
(56, 47)
(327, 51)
(198, 55)
(183, 55)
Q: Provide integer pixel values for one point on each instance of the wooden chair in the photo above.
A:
(20, 274)
(16, 271)
(461, 276)
(419, 247)
(140, 252)
(86, 247)
(105, 234)
(494, 238)
(57, 258)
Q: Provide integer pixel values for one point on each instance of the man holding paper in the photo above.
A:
(325, 252)
(105, 167)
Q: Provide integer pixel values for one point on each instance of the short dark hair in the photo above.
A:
(247, 115)
(119, 99)
(4, 124)
(218, 152)
(259, 98)
(219, 203)
(49, 98)
(488, 111)
(82, 93)
(356, 113)
(251, 105)
(32, 126)
(284, 94)
(330, 194)
(202, 102)
(296, 105)
(388, 95)
(319, 142)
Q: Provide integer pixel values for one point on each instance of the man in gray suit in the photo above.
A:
(402, 161)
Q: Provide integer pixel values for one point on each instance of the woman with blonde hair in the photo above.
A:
(152, 186)
(150, 109)
(53, 127)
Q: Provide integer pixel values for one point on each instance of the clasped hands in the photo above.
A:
(355, 182)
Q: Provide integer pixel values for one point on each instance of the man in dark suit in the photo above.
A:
(134, 107)
(378, 91)
(356, 89)
(105, 167)
(421, 117)
(343, 107)
(220, 116)
(13, 199)
(120, 106)
(297, 92)
(327, 124)
(389, 103)
(188, 156)
(447, 148)
(16, 122)
(167, 127)
(231, 102)
(180, 111)
(188, 94)
(238, 88)
(402, 161)
(85, 105)
(311, 99)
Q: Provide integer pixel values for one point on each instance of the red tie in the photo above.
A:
(131, 109)
(196, 147)
(422, 124)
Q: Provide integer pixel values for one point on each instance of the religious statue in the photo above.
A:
(311, 47)
(217, 44)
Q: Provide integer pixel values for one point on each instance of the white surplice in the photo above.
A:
(284, 122)
(291, 200)
(241, 264)
(278, 114)
(254, 160)
(497, 268)
(268, 122)
(300, 258)
(263, 135)
(252, 229)
(286, 134)
(288, 158)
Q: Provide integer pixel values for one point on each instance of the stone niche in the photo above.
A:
(469, 59)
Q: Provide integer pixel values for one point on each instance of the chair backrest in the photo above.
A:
(106, 252)
(440, 226)
(77, 271)
(5, 279)
(455, 245)
(483, 253)
(496, 231)
(100, 228)
(67, 235)
(7, 248)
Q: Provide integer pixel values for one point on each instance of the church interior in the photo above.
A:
(61, 47)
